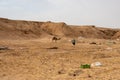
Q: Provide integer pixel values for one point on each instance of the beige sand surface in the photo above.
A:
(35, 60)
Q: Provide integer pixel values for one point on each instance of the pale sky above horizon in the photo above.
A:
(101, 13)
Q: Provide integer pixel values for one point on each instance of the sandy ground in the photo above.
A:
(35, 60)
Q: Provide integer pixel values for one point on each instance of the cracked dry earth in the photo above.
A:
(38, 60)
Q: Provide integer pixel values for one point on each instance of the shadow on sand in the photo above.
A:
(53, 48)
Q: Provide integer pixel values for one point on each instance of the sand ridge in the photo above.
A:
(21, 29)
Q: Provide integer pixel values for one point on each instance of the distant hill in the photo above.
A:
(20, 29)
(116, 35)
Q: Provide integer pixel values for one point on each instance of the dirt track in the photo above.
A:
(34, 60)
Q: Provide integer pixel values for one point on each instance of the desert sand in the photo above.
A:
(30, 53)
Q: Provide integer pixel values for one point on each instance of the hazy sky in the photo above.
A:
(105, 13)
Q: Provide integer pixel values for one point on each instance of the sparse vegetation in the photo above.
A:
(84, 66)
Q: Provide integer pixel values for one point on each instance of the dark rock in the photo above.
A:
(61, 71)
(93, 43)
(3, 48)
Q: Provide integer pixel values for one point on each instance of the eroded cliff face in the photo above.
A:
(19, 29)
(116, 35)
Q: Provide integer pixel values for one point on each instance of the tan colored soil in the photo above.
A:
(38, 60)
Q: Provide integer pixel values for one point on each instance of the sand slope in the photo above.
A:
(16, 29)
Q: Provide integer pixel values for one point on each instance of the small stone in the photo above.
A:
(61, 72)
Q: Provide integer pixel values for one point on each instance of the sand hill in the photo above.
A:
(19, 29)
